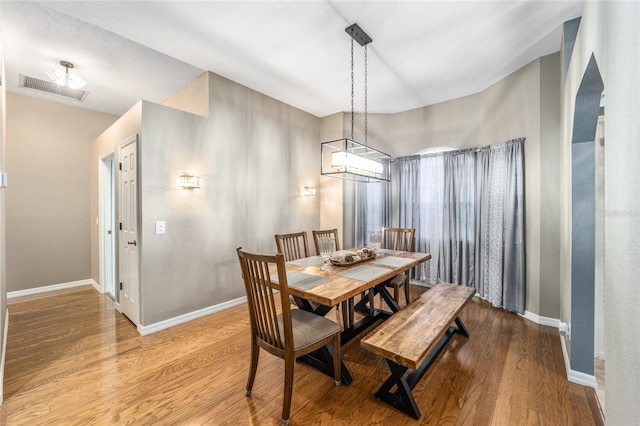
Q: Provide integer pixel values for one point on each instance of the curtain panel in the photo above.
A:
(467, 208)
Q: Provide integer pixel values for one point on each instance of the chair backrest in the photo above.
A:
(261, 298)
(325, 233)
(398, 238)
(293, 246)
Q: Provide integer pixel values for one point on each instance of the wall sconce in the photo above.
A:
(309, 191)
(189, 182)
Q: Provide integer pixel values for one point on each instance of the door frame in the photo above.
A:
(130, 140)
(107, 200)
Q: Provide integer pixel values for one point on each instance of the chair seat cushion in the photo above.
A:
(309, 328)
(398, 280)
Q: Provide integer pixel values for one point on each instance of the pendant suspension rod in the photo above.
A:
(366, 118)
(352, 92)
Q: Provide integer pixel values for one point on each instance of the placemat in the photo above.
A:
(389, 251)
(307, 261)
(301, 280)
(363, 272)
(393, 261)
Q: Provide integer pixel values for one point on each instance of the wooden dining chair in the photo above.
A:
(348, 305)
(292, 246)
(288, 335)
(399, 239)
(330, 233)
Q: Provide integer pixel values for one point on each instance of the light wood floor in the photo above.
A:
(73, 360)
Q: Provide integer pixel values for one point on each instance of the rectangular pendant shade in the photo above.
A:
(348, 159)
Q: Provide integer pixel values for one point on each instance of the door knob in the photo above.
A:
(133, 243)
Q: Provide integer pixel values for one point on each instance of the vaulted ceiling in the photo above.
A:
(423, 52)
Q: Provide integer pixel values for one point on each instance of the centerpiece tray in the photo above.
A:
(346, 257)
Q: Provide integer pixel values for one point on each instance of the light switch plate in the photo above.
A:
(161, 227)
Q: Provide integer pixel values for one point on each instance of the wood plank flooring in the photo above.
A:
(73, 360)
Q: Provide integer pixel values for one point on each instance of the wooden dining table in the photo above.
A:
(318, 291)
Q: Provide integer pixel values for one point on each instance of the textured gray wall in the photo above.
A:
(550, 189)
(583, 230)
(525, 103)
(254, 155)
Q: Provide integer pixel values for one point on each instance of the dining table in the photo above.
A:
(318, 290)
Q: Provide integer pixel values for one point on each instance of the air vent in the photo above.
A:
(51, 88)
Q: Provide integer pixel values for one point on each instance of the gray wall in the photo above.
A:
(254, 155)
(583, 229)
(122, 130)
(610, 32)
(3, 251)
(524, 104)
(48, 214)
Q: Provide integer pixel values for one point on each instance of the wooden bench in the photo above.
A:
(412, 338)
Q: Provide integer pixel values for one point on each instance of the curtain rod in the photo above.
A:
(460, 151)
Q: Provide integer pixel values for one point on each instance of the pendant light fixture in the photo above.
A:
(65, 78)
(346, 158)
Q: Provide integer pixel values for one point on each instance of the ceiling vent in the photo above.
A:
(51, 88)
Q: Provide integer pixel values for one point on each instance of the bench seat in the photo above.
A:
(413, 337)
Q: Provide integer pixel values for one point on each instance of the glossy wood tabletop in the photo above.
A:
(340, 288)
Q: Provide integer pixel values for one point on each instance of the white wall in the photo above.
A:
(610, 31)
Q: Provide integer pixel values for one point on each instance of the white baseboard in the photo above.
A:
(551, 322)
(96, 285)
(572, 375)
(576, 376)
(4, 351)
(152, 328)
(48, 288)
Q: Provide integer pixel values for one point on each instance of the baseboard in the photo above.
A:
(572, 375)
(96, 285)
(551, 322)
(152, 328)
(576, 376)
(48, 288)
(2, 356)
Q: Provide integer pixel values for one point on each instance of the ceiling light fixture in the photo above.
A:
(65, 78)
(346, 158)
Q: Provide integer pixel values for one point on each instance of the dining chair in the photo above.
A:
(292, 246)
(348, 310)
(330, 233)
(288, 335)
(399, 239)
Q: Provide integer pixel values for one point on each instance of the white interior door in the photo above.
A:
(107, 224)
(129, 266)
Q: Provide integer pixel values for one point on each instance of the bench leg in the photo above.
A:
(402, 399)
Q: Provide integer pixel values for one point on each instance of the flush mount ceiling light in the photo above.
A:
(65, 78)
(346, 158)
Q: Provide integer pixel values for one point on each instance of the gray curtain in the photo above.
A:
(468, 211)
(500, 255)
(458, 232)
(372, 209)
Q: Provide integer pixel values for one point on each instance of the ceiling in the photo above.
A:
(423, 52)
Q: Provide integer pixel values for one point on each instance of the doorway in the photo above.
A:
(107, 224)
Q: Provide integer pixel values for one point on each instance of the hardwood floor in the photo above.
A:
(73, 360)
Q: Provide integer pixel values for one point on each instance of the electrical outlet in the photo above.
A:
(161, 227)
